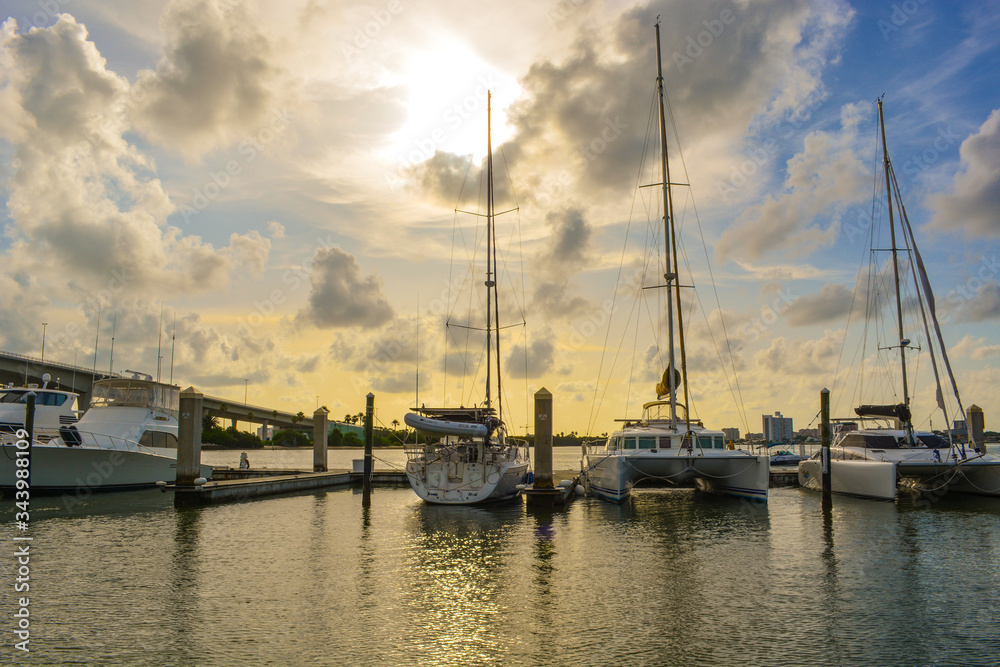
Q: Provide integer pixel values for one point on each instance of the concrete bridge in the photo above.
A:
(20, 369)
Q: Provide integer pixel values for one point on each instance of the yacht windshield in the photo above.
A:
(136, 394)
(41, 397)
(933, 441)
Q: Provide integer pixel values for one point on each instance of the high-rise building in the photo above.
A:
(732, 434)
(777, 428)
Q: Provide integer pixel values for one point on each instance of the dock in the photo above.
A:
(230, 485)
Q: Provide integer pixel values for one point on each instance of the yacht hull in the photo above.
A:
(82, 470)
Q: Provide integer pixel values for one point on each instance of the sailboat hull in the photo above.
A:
(445, 482)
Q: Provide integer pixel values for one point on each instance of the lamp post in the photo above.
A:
(245, 385)
(44, 324)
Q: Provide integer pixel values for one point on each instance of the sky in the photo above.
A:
(265, 192)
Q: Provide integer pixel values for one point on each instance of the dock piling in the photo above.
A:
(189, 437)
(543, 439)
(824, 409)
(319, 439)
(366, 484)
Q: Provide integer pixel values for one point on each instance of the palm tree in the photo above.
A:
(395, 424)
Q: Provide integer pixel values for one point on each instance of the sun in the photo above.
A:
(446, 107)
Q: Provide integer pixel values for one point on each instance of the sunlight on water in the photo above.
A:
(670, 577)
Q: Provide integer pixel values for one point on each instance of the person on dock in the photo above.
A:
(244, 462)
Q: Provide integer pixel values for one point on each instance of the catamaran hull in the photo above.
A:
(444, 483)
(743, 476)
(881, 480)
(82, 470)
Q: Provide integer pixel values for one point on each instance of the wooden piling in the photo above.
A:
(189, 437)
(825, 437)
(366, 487)
(543, 439)
(319, 439)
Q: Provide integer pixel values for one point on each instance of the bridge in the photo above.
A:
(22, 370)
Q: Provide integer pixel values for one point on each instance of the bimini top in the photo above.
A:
(133, 393)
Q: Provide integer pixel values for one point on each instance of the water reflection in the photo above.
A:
(458, 579)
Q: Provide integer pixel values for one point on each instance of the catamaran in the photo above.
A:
(666, 443)
(886, 453)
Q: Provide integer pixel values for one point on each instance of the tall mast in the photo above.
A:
(490, 281)
(895, 268)
(669, 275)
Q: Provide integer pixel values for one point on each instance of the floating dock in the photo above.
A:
(229, 485)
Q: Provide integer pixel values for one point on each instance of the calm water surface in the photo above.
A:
(672, 577)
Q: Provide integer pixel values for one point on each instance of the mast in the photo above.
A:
(669, 276)
(895, 270)
(490, 281)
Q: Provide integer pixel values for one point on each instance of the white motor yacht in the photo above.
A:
(127, 439)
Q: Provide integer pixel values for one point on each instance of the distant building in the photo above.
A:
(731, 434)
(265, 433)
(777, 428)
(809, 433)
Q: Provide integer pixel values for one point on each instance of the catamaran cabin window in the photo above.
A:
(629, 443)
(664, 442)
(706, 442)
(647, 443)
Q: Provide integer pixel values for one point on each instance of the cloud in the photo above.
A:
(974, 348)
(974, 202)
(534, 360)
(801, 357)
(82, 197)
(821, 181)
(249, 250)
(341, 296)
(832, 303)
(217, 80)
(559, 261)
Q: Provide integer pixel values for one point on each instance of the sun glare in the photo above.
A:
(447, 104)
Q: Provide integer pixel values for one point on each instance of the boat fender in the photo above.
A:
(529, 477)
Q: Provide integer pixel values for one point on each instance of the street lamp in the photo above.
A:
(44, 324)
(245, 381)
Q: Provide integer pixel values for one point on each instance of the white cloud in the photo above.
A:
(974, 202)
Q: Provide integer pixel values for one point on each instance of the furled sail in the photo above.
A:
(664, 387)
(898, 411)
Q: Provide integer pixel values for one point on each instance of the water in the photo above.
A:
(672, 577)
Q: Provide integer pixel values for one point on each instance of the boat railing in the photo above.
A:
(85, 439)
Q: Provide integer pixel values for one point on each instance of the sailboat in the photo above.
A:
(667, 443)
(470, 459)
(886, 454)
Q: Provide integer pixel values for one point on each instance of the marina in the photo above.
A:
(517, 334)
(314, 578)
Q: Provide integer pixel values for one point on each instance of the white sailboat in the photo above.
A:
(471, 459)
(666, 443)
(127, 439)
(886, 453)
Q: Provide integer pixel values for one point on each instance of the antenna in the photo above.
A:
(173, 337)
(97, 338)
(111, 364)
(159, 337)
